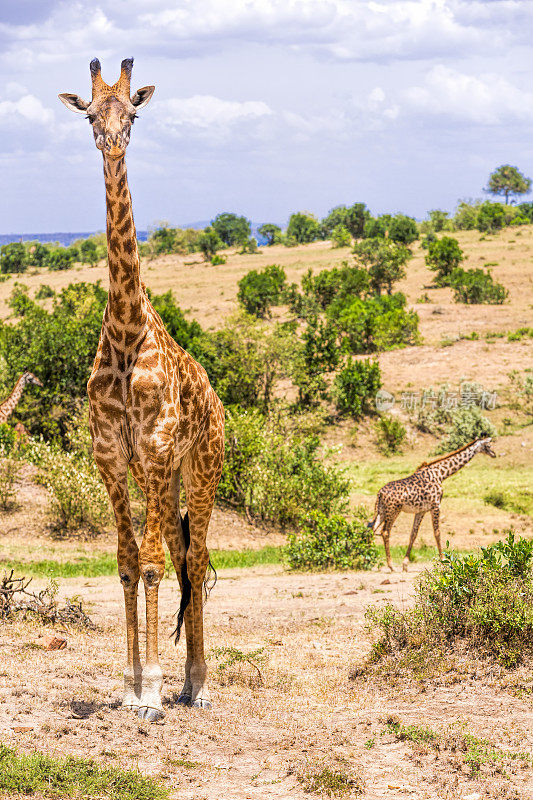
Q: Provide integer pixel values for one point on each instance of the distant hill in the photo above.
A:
(67, 237)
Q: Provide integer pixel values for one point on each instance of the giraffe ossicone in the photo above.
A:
(153, 411)
(421, 492)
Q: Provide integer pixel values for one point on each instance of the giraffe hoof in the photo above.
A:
(184, 700)
(199, 703)
(150, 714)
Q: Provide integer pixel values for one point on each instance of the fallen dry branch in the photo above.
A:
(17, 601)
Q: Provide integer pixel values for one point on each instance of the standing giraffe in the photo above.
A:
(8, 406)
(421, 492)
(152, 409)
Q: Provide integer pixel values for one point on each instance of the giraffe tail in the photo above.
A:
(209, 582)
(185, 581)
(377, 522)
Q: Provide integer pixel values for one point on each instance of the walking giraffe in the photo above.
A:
(152, 409)
(9, 405)
(421, 492)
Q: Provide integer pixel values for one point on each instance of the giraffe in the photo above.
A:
(152, 410)
(8, 406)
(421, 492)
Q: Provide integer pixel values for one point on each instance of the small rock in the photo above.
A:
(22, 728)
(51, 641)
(386, 582)
(353, 591)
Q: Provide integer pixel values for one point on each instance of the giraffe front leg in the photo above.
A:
(152, 568)
(416, 525)
(435, 517)
(114, 475)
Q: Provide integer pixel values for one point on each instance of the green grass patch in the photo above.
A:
(36, 773)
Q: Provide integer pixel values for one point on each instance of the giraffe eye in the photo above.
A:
(91, 118)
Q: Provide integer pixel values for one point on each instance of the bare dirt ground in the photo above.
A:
(259, 739)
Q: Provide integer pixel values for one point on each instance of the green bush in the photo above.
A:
(232, 229)
(483, 599)
(62, 258)
(303, 227)
(272, 233)
(340, 236)
(331, 542)
(274, 474)
(375, 228)
(259, 290)
(403, 230)
(444, 255)
(391, 434)
(209, 242)
(9, 473)
(466, 215)
(217, 260)
(356, 386)
(385, 261)
(379, 323)
(13, 258)
(468, 423)
(476, 286)
(338, 285)
(44, 292)
(491, 217)
(7, 438)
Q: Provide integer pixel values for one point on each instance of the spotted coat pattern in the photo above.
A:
(9, 405)
(152, 410)
(419, 493)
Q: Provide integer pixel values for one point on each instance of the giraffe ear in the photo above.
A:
(142, 96)
(74, 102)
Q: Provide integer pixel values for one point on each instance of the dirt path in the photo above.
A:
(258, 739)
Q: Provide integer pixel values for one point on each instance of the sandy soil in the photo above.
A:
(257, 739)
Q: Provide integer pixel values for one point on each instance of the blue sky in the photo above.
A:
(265, 107)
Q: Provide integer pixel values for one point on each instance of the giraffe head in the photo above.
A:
(484, 446)
(29, 377)
(111, 111)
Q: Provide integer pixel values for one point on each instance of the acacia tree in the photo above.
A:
(508, 181)
(232, 229)
(271, 232)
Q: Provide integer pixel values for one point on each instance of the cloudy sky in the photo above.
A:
(264, 107)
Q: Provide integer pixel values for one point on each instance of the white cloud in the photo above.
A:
(486, 100)
(356, 30)
(27, 109)
(206, 115)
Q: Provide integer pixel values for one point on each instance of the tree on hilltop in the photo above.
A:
(508, 181)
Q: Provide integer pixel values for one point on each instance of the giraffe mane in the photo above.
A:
(442, 458)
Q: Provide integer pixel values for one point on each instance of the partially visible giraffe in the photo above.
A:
(152, 409)
(8, 406)
(421, 492)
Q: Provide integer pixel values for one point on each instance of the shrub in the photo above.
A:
(13, 258)
(78, 499)
(352, 219)
(338, 285)
(378, 323)
(476, 286)
(340, 237)
(61, 258)
(44, 292)
(209, 242)
(484, 599)
(216, 260)
(491, 217)
(443, 256)
(232, 229)
(331, 542)
(271, 232)
(276, 475)
(317, 355)
(468, 423)
(466, 215)
(403, 230)
(303, 227)
(7, 438)
(391, 434)
(9, 473)
(356, 387)
(375, 228)
(385, 261)
(259, 290)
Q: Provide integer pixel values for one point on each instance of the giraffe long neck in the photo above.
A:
(8, 406)
(454, 462)
(126, 307)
